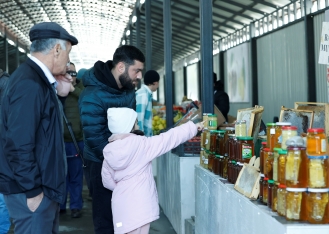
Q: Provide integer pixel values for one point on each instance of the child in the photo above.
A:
(127, 168)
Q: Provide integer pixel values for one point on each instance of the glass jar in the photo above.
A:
(211, 158)
(220, 142)
(205, 119)
(241, 128)
(228, 131)
(261, 181)
(282, 167)
(231, 146)
(281, 195)
(296, 167)
(317, 200)
(316, 142)
(215, 165)
(204, 137)
(317, 171)
(266, 151)
(265, 189)
(205, 161)
(246, 149)
(275, 196)
(261, 156)
(230, 171)
(269, 193)
(225, 162)
(296, 204)
(287, 132)
(212, 122)
(202, 157)
(275, 163)
(278, 132)
(213, 135)
(270, 133)
(207, 139)
(269, 164)
(221, 165)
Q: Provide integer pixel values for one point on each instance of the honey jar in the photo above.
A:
(213, 136)
(225, 162)
(211, 158)
(228, 131)
(317, 171)
(316, 142)
(296, 167)
(270, 134)
(296, 204)
(275, 163)
(205, 161)
(231, 146)
(246, 148)
(202, 157)
(241, 128)
(261, 156)
(265, 189)
(212, 122)
(207, 139)
(278, 132)
(220, 142)
(281, 197)
(215, 165)
(270, 184)
(317, 200)
(205, 119)
(287, 132)
(275, 196)
(260, 195)
(268, 163)
(282, 167)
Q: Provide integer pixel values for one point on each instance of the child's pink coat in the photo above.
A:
(127, 170)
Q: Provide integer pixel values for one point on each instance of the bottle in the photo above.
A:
(278, 132)
(265, 189)
(275, 163)
(282, 167)
(296, 167)
(296, 204)
(270, 133)
(317, 171)
(261, 181)
(317, 200)
(281, 197)
(316, 142)
(287, 132)
(261, 156)
(269, 193)
(269, 165)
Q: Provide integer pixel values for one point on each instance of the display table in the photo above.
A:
(219, 208)
(175, 184)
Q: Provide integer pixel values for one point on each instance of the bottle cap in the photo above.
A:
(319, 190)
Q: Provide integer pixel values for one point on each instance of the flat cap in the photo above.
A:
(47, 30)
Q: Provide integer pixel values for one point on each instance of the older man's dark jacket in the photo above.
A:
(31, 136)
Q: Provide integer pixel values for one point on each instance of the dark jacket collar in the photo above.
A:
(103, 74)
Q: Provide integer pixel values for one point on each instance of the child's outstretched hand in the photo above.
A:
(200, 125)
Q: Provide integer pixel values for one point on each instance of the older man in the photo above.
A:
(32, 155)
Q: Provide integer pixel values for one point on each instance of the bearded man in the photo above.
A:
(107, 85)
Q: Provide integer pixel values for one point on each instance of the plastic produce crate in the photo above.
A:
(189, 148)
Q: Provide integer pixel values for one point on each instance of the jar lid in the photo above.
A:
(245, 138)
(270, 124)
(217, 156)
(289, 128)
(270, 181)
(220, 131)
(213, 131)
(264, 143)
(283, 151)
(297, 189)
(265, 178)
(212, 115)
(262, 175)
(283, 123)
(317, 157)
(221, 156)
(277, 149)
(315, 130)
(267, 149)
(318, 190)
(282, 186)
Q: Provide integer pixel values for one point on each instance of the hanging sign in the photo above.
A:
(324, 44)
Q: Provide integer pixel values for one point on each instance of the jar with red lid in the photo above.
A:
(270, 134)
(265, 189)
(281, 197)
(269, 165)
(266, 152)
(296, 167)
(316, 142)
(261, 156)
(287, 132)
(282, 167)
(278, 132)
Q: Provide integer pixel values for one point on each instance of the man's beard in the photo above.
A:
(126, 81)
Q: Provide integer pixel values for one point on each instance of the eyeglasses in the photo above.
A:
(72, 73)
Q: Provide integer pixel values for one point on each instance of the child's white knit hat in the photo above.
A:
(121, 119)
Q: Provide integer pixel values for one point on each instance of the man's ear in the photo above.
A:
(57, 49)
(121, 67)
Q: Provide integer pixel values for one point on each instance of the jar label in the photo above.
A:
(205, 161)
(323, 145)
(246, 151)
(272, 131)
(206, 142)
(212, 123)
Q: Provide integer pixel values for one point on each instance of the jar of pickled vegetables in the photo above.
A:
(211, 158)
(246, 149)
(220, 142)
(281, 198)
(287, 132)
(260, 195)
(241, 128)
(317, 200)
(269, 193)
(270, 133)
(213, 136)
(275, 163)
(316, 142)
(261, 156)
(275, 196)
(212, 122)
(278, 132)
(265, 189)
(296, 167)
(269, 164)
(317, 171)
(282, 167)
(296, 204)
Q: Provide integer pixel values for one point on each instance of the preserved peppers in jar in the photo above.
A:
(287, 132)
(296, 204)
(282, 167)
(316, 142)
(317, 201)
(212, 122)
(281, 195)
(296, 167)
(317, 171)
(246, 149)
(278, 132)
(241, 128)
(270, 133)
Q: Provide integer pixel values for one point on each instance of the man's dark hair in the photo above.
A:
(127, 54)
(72, 64)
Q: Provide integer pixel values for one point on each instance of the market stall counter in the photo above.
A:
(219, 208)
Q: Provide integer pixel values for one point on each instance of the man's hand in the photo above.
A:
(34, 202)
(64, 84)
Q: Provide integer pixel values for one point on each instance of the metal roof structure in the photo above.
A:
(101, 26)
